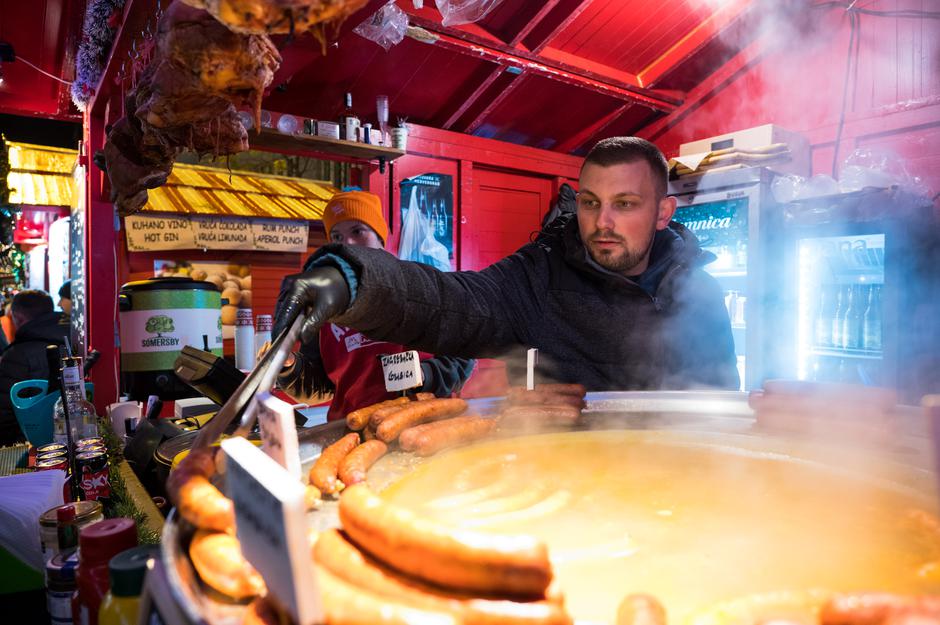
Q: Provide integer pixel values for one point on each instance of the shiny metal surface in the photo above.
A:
(722, 417)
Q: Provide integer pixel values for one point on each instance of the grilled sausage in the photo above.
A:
(877, 608)
(218, 559)
(467, 561)
(416, 414)
(323, 472)
(345, 604)
(353, 468)
(523, 397)
(541, 415)
(334, 552)
(358, 419)
(640, 609)
(578, 390)
(431, 438)
(383, 413)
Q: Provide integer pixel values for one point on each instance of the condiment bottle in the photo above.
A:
(60, 586)
(126, 572)
(97, 544)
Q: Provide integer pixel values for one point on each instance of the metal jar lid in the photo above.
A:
(84, 512)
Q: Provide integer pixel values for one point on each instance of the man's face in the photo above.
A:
(619, 212)
(66, 305)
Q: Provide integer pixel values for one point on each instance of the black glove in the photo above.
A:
(319, 294)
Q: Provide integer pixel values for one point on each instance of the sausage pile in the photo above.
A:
(545, 406)
(186, 99)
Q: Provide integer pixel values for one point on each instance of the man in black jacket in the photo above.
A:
(37, 325)
(614, 297)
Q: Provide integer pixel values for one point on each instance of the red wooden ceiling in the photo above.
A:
(555, 74)
(44, 33)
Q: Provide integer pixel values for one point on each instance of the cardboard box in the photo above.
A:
(754, 140)
(328, 129)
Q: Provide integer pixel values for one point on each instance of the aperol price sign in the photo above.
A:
(271, 526)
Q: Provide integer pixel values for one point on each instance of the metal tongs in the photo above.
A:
(261, 378)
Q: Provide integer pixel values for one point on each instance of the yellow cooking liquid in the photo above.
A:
(720, 535)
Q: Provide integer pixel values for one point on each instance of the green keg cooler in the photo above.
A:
(158, 317)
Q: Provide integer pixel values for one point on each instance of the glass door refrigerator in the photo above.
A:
(731, 213)
(861, 303)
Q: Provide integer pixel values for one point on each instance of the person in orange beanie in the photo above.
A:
(344, 361)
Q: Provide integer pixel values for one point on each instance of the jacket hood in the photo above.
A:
(45, 327)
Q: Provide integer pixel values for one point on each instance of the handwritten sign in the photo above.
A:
(402, 371)
(213, 233)
(145, 233)
(277, 235)
(271, 527)
(278, 432)
(181, 232)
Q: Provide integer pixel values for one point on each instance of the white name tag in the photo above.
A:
(269, 517)
(278, 432)
(402, 371)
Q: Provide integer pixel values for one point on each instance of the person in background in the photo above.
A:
(65, 300)
(37, 325)
(6, 320)
(615, 296)
(344, 361)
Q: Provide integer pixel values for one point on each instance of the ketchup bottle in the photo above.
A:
(97, 544)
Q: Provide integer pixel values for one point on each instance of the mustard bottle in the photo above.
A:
(126, 572)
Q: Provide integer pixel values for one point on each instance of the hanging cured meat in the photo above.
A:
(277, 16)
(186, 99)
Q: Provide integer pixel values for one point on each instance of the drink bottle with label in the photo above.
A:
(871, 322)
(852, 321)
(841, 301)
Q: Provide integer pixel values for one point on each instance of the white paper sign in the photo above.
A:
(214, 233)
(531, 359)
(279, 235)
(146, 233)
(402, 371)
(271, 527)
(278, 432)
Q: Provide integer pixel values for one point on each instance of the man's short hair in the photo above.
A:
(31, 304)
(620, 150)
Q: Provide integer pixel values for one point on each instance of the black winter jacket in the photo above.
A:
(590, 325)
(25, 359)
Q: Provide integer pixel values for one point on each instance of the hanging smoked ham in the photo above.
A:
(186, 99)
(277, 16)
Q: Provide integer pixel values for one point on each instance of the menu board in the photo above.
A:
(147, 233)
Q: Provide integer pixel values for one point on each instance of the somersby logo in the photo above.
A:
(158, 324)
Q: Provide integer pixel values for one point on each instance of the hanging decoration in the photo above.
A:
(102, 20)
(12, 258)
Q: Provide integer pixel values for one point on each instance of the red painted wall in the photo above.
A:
(796, 82)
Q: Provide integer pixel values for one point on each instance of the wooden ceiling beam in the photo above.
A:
(701, 35)
(532, 22)
(578, 139)
(546, 38)
(471, 45)
(471, 99)
(496, 102)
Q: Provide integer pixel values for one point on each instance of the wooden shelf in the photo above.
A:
(277, 141)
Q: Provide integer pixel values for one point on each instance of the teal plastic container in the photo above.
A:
(33, 407)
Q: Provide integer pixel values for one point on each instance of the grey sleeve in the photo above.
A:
(474, 314)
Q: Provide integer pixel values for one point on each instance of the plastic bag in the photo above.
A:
(386, 27)
(417, 238)
(464, 11)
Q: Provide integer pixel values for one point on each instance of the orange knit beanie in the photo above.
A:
(360, 205)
